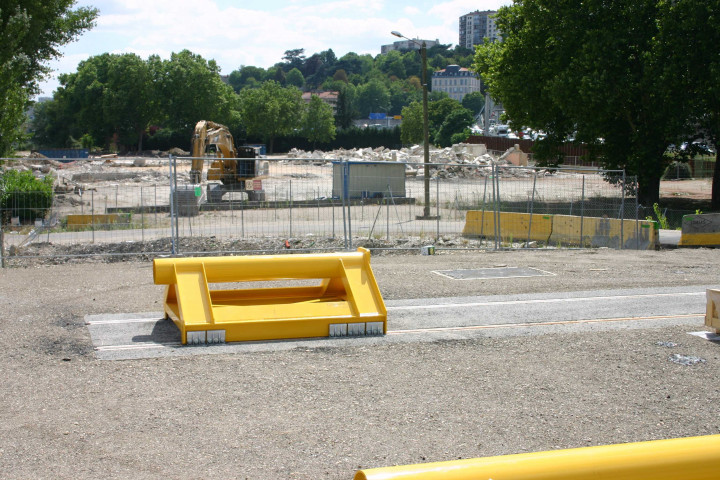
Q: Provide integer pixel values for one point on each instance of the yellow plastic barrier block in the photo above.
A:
(604, 232)
(563, 229)
(79, 222)
(347, 301)
(513, 226)
(712, 319)
(700, 230)
(693, 458)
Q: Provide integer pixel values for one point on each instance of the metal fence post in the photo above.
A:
(142, 216)
(499, 222)
(637, 222)
(172, 206)
(343, 196)
(437, 208)
(291, 209)
(532, 206)
(92, 214)
(2, 245)
(482, 217)
(387, 220)
(582, 213)
(622, 213)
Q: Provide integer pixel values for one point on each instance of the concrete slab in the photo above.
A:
(149, 335)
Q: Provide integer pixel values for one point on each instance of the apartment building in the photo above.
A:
(455, 81)
(477, 26)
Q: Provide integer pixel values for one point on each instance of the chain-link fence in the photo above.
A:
(322, 204)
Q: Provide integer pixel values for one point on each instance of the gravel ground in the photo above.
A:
(325, 412)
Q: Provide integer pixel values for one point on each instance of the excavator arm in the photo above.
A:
(210, 140)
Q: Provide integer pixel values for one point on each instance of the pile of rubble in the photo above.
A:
(461, 160)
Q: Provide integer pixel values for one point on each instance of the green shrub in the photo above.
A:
(22, 195)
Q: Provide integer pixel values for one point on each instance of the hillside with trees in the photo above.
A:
(121, 102)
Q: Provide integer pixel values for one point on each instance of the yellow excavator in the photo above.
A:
(235, 168)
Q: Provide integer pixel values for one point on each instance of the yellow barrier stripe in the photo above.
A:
(699, 239)
(693, 458)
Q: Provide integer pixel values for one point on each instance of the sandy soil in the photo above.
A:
(325, 412)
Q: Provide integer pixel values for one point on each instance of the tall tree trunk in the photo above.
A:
(649, 189)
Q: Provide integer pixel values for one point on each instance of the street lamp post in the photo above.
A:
(426, 140)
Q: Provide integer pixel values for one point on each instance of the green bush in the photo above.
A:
(22, 195)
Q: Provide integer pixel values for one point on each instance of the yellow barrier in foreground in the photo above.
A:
(712, 319)
(347, 301)
(693, 458)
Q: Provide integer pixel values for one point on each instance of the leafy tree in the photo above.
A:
(340, 76)
(31, 34)
(372, 97)
(474, 101)
(318, 124)
(691, 25)
(246, 76)
(411, 129)
(295, 78)
(402, 93)
(353, 63)
(53, 123)
(438, 111)
(190, 89)
(294, 58)
(345, 113)
(454, 127)
(598, 68)
(329, 58)
(271, 110)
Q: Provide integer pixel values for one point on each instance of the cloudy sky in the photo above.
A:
(252, 32)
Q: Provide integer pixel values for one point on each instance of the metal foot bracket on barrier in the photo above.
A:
(347, 302)
(693, 458)
(712, 319)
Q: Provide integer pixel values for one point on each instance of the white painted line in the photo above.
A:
(123, 320)
(548, 300)
(539, 324)
(442, 273)
(136, 346)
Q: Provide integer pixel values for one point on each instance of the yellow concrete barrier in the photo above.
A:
(513, 226)
(700, 230)
(346, 302)
(604, 232)
(563, 229)
(693, 458)
(713, 306)
(79, 222)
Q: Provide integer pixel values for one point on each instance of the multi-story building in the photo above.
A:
(408, 45)
(455, 81)
(330, 98)
(476, 26)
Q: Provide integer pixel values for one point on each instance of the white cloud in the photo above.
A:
(255, 33)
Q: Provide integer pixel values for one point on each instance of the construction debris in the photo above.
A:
(461, 160)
